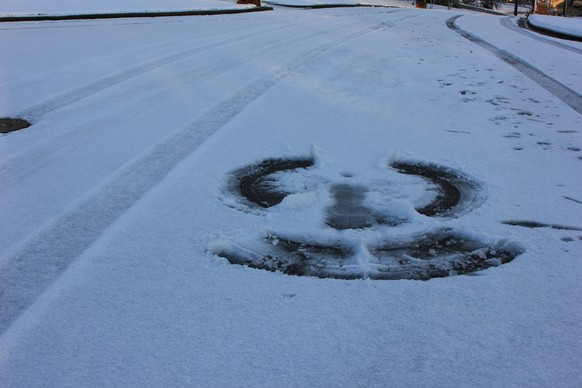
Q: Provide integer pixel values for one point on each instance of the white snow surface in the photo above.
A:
(307, 3)
(568, 26)
(81, 7)
(113, 202)
(72, 7)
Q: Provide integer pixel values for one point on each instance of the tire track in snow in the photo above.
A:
(506, 22)
(564, 93)
(20, 167)
(29, 270)
(33, 113)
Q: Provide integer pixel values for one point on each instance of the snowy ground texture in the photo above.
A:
(72, 7)
(568, 26)
(118, 209)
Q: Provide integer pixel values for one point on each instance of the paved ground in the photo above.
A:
(117, 201)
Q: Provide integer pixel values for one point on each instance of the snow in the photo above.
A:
(117, 202)
(72, 7)
(568, 26)
(308, 3)
(547, 57)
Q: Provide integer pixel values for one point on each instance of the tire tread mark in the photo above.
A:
(30, 269)
(51, 104)
(19, 167)
(506, 22)
(559, 90)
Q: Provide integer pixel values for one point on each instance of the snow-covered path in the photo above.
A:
(112, 199)
(552, 57)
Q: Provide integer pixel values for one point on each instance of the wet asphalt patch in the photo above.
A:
(448, 183)
(8, 124)
(535, 224)
(256, 185)
(440, 253)
(349, 212)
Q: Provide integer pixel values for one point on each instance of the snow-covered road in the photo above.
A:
(117, 203)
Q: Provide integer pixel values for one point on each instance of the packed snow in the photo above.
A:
(117, 204)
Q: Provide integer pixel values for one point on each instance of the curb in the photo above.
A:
(551, 33)
(131, 15)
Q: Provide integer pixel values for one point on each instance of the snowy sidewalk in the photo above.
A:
(34, 10)
(78, 7)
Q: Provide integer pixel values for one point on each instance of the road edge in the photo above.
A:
(35, 18)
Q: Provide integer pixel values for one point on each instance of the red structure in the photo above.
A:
(255, 2)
